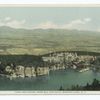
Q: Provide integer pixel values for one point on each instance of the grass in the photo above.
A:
(38, 42)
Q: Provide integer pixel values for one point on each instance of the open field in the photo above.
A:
(41, 41)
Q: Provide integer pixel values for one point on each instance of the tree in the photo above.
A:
(61, 88)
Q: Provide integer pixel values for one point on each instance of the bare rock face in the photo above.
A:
(8, 69)
(20, 71)
(42, 70)
(33, 72)
(28, 72)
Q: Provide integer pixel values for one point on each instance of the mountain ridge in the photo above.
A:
(50, 29)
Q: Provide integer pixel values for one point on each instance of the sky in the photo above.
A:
(80, 18)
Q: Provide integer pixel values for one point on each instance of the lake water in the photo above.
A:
(53, 81)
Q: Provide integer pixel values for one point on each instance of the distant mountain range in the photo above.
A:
(40, 41)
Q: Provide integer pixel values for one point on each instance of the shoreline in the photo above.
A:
(23, 77)
(44, 64)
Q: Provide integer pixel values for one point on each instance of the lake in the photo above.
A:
(53, 81)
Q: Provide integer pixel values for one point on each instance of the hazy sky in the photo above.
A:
(51, 17)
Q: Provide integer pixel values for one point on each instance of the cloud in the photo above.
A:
(87, 19)
(77, 24)
(16, 24)
(74, 24)
(46, 25)
(8, 21)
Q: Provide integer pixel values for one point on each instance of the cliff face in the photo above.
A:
(28, 72)
(54, 61)
(42, 71)
(21, 71)
(33, 72)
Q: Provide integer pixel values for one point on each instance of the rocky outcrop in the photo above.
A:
(19, 71)
(33, 71)
(42, 71)
(28, 72)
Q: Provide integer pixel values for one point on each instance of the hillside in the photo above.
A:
(41, 41)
